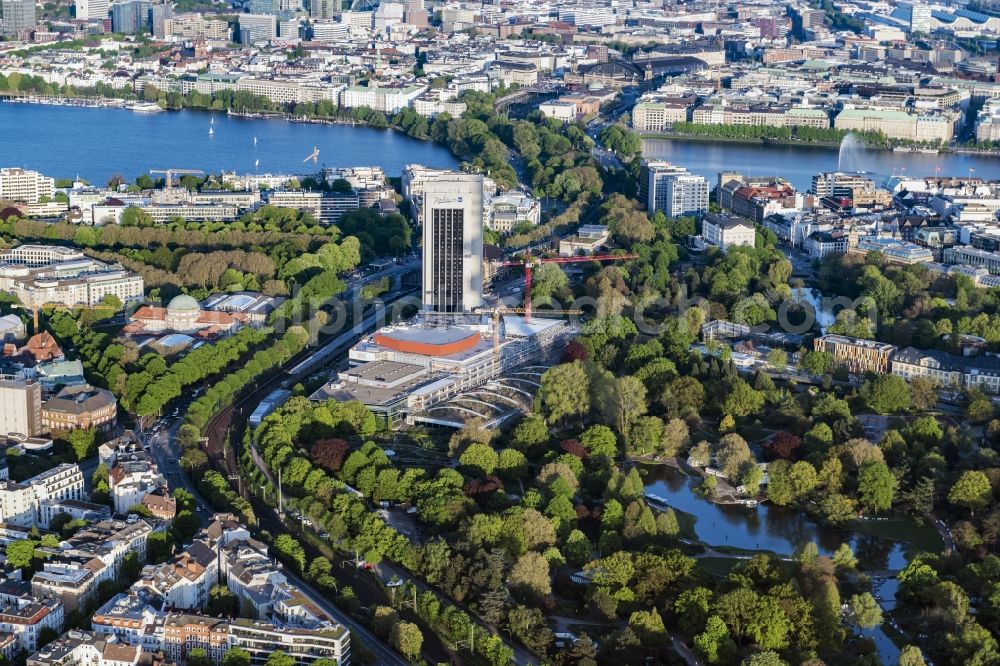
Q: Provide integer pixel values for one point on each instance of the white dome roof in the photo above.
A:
(183, 303)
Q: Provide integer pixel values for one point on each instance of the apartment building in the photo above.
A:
(184, 632)
(73, 581)
(672, 189)
(128, 619)
(133, 476)
(858, 355)
(286, 619)
(26, 618)
(87, 648)
(111, 540)
(25, 186)
(36, 501)
(303, 645)
(184, 581)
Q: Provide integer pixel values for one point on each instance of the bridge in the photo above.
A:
(522, 95)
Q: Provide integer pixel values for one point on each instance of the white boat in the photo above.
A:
(144, 107)
(211, 131)
(656, 499)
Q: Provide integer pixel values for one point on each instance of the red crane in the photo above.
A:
(530, 262)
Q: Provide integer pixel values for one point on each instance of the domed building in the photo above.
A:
(183, 314)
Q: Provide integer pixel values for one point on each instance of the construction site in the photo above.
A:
(445, 374)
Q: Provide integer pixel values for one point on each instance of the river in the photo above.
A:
(783, 531)
(95, 143)
(798, 164)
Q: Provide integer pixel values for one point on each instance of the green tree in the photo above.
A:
(198, 657)
(865, 611)
(911, 655)
(887, 394)
(715, 644)
(406, 638)
(742, 400)
(279, 658)
(235, 656)
(844, 557)
(530, 576)
(876, 486)
(20, 554)
(383, 620)
(777, 358)
(972, 490)
(564, 392)
(287, 547)
(479, 459)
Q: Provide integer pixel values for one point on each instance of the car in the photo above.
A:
(324, 535)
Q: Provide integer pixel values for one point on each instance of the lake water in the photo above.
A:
(798, 164)
(783, 531)
(95, 143)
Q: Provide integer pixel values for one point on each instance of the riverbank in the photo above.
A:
(115, 103)
(819, 145)
(748, 141)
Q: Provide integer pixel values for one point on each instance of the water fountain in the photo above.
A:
(851, 148)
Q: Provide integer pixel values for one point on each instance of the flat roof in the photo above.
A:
(384, 371)
(435, 335)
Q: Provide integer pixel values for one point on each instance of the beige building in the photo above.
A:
(195, 26)
(80, 407)
(726, 231)
(857, 354)
(898, 124)
(657, 116)
(25, 186)
(20, 407)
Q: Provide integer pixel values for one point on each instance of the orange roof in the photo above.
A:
(150, 312)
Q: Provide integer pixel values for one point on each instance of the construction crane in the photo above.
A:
(169, 173)
(498, 311)
(314, 156)
(530, 262)
(35, 309)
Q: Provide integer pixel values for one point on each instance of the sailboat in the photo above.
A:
(255, 141)
(211, 131)
(256, 164)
